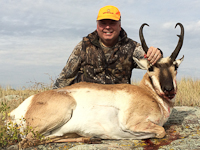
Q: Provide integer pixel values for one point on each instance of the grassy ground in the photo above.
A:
(188, 95)
(188, 92)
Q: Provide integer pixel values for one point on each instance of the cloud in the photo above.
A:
(193, 27)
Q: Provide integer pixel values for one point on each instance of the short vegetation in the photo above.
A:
(188, 95)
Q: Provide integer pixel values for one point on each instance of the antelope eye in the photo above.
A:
(150, 69)
(176, 67)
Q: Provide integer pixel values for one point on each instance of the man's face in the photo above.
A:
(108, 30)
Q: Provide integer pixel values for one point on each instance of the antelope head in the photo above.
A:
(162, 75)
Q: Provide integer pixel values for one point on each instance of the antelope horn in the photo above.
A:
(143, 43)
(180, 43)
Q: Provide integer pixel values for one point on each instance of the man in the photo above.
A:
(105, 56)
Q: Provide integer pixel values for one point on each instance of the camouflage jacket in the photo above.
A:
(91, 62)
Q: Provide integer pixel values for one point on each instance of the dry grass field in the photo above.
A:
(188, 92)
(188, 95)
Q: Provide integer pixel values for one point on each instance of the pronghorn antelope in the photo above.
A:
(120, 111)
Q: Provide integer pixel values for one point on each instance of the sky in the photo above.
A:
(37, 37)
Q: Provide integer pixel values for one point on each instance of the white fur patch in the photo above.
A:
(156, 85)
(17, 115)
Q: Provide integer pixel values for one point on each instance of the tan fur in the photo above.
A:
(44, 109)
(109, 87)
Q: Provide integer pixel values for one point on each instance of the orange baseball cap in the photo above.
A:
(109, 12)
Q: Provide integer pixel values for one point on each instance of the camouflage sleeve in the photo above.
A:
(69, 72)
(138, 52)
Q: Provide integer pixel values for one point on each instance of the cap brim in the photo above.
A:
(111, 18)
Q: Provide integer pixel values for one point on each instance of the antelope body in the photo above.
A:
(120, 111)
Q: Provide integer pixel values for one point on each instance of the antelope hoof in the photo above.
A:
(94, 140)
(161, 135)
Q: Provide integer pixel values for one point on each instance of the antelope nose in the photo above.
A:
(168, 89)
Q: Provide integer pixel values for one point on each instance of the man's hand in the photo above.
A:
(153, 55)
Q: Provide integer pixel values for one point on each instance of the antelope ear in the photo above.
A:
(142, 63)
(178, 61)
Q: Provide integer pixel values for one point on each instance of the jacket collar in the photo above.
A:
(94, 38)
